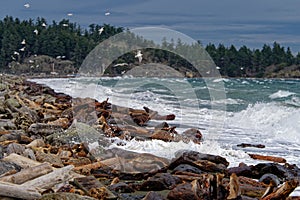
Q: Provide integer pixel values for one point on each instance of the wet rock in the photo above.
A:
(192, 135)
(267, 178)
(204, 162)
(163, 135)
(241, 170)
(153, 196)
(186, 168)
(161, 181)
(1, 152)
(244, 145)
(281, 171)
(44, 129)
(121, 187)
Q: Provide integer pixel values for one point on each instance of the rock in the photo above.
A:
(54, 160)
(6, 167)
(12, 104)
(44, 129)
(282, 172)
(186, 168)
(36, 143)
(12, 135)
(161, 181)
(192, 135)
(15, 148)
(204, 162)
(1, 152)
(243, 145)
(121, 187)
(153, 196)
(267, 178)
(241, 170)
(7, 124)
(163, 135)
(78, 133)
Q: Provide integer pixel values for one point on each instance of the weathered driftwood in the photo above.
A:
(91, 186)
(268, 158)
(283, 192)
(28, 174)
(21, 160)
(17, 191)
(49, 180)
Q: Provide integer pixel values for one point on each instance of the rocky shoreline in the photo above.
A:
(48, 151)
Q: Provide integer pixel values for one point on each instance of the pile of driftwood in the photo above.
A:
(45, 154)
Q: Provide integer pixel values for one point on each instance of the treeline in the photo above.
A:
(68, 41)
(235, 62)
(65, 40)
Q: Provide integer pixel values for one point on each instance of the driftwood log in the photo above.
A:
(28, 174)
(47, 181)
(283, 192)
(18, 191)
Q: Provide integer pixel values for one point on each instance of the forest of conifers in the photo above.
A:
(20, 39)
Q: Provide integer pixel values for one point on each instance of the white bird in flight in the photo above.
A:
(218, 68)
(22, 49)
(101, 30)
(44, 24)
(16, 53)
(23, 41)
(107, 13)
(139, 55)
(70, 14)
(65, 25)
(27, 5)
(36, 31)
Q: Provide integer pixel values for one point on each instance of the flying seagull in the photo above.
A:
(22, 49)
(107, 13)
(70, 14)
(101, 30)
(218, 68)
(139, 55)
(36, 31)
(23, 41)
(27, 5)
(44, 24)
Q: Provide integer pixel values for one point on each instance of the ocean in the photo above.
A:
(255, 111)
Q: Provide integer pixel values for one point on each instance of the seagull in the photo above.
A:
(101, 30)
(107, 13)
(70, 14)
(65, 25)
(27, 5)
(16, 53)
(23, 42)
(44, 24)
(36, 31)
(139, 55)
(22, 49)
(218, 68)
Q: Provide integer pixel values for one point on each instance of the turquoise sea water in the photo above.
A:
(227, 111)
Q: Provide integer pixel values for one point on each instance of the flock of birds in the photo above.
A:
(138, 54)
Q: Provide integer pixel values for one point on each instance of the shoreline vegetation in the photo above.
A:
(46, 153)
(38, 48)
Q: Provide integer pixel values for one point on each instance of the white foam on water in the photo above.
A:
(281, 94)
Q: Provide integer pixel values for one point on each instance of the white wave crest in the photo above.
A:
(281, 94)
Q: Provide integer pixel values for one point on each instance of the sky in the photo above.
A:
(237, 22)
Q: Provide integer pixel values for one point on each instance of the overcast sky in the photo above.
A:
(238, 22)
